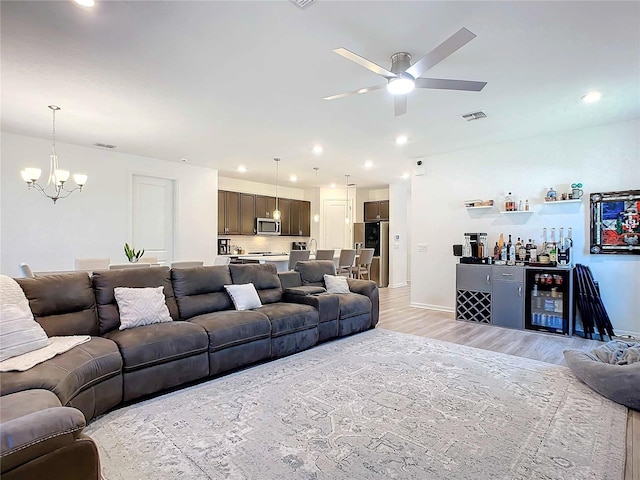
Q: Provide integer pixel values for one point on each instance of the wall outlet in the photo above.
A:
(422, 247)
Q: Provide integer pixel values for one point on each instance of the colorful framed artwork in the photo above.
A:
(615, 222)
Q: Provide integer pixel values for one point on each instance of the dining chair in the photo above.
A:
(325, 254)
(187, 264)
(26, 270)
(296, 256)
(363, 264)
(220, 260)
(121, 266)
(345, 263)
(91, 264)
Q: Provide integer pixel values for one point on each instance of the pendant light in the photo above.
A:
(57, 177)
(276, 213)
(347, 219)
(316, 216)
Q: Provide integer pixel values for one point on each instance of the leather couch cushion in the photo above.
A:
(201, 290)
(265, 278)
(23, 403)
(305, 290)
(229, 328)
(158, 343)
(63, 304)
(312, 272)
(104, 282)
(69, 373)
(352, 304)
(289, 317)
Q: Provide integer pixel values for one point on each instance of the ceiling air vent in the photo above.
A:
(302, 3)
(104, 145)
(473, 116)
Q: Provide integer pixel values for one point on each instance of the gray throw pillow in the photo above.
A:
(620, 383)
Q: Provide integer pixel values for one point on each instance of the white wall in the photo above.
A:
(245, 186)
(398, 235)
(97, 221)
(605, 158)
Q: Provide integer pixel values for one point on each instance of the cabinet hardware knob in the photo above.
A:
(488, 279)
(507, 274)
(519, 291)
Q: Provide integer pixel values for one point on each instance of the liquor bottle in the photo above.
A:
(528, 251)
(509, 248)
(503, 253)
(520, 209)
(526, 205)
(522, 250)
(512, 253)
(533, 252)
(496, 252)
(543, 245)
(509, 203)
(553, 249)
(501, 242)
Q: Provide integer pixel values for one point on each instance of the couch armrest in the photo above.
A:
(369, 289)
(327, 305)
(28, 437)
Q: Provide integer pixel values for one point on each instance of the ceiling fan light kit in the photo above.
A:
(404, 77)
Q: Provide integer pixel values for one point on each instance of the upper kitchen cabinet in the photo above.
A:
(376, 210)
(305, 219)
(284, 205)
(228, 213)
(265, 206)
(247, 214)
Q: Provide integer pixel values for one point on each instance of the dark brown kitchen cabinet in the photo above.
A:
(228, 213)
(265, 206)
(284, 205)
(247, 214)
(305, 219)
(376, 210)
(294, 218)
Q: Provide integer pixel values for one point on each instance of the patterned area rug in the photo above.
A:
(378, 405)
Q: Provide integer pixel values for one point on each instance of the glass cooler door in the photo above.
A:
(547, 304)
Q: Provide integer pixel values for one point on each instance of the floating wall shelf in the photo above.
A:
(517, 212)
(559, 202)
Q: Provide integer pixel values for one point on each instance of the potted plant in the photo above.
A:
(132, 254)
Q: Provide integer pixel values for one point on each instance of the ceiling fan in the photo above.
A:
(404, 77)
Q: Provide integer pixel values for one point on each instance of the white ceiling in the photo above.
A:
(224, 83)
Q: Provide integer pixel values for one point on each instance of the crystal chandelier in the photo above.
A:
(57, 176)
(276, 213)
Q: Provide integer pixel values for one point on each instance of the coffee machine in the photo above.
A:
(224, 246)
(474, 249)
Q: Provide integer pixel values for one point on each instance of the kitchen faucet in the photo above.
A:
(313, 246)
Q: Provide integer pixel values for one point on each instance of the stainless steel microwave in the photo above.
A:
(267, 226)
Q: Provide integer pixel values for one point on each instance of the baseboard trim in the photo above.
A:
(626, 332)
(398, 285)
(428, 306)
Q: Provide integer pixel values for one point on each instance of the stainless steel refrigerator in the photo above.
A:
(375, 235)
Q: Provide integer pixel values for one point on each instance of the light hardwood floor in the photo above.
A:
(396, 314)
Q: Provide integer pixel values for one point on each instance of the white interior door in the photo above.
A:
(153, 216)
(337, 233)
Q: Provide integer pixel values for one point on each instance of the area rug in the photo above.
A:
(377, 405)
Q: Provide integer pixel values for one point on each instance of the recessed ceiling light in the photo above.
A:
(333, 185)
(242, 169)
(184, 160)
(401, 139)
(86, 3)
(405, 175)
(368, 164)
(317, 149)
(591, 97)
(293, 178)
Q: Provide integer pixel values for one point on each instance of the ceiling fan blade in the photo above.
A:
(400, 104)
(444, 84)
(356, 92)
(354, 57)
(442, 51)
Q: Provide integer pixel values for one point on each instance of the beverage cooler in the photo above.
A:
(549, 300)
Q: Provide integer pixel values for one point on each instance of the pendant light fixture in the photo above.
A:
(57, 176)
(316, 216)
(347, 219)
(276, 213)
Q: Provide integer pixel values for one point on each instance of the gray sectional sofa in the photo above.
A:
(43, 409)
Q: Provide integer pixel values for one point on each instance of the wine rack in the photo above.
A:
(473, 306)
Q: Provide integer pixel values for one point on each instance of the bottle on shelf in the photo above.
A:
(496, 252)
(520, 207)
(543, 245)
(533, 252)
(521, 250)
(509, 203)
(553, 251)
(503, 253)
(501, 242)
(526, 205)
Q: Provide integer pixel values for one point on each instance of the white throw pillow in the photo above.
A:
(19, 332)
(244, 297)
(336, 284)
(141, 306)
